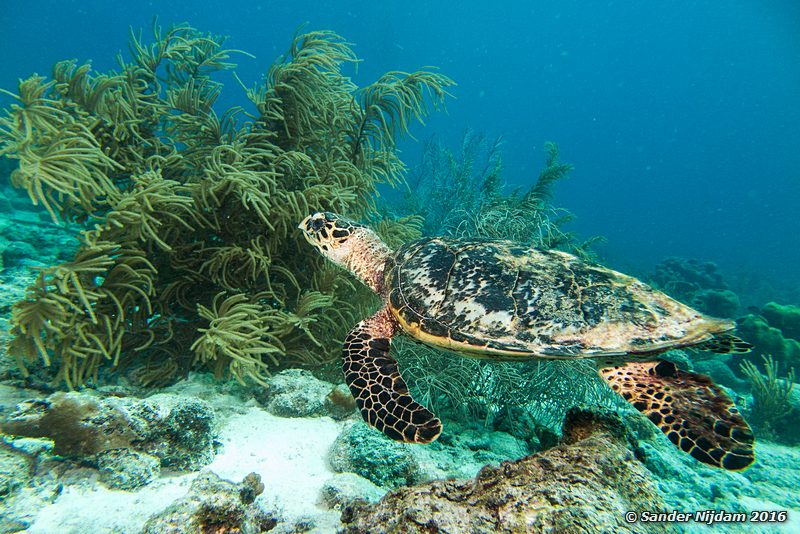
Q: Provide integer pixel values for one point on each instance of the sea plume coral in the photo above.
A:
(771, 394)
(189, 216)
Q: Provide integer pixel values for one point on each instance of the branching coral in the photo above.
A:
(80, 311)
(238, 337)
(190, 217)
(395, 232)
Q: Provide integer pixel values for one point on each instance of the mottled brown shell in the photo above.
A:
(503, 300)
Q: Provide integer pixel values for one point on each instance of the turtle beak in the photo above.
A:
(304, 224)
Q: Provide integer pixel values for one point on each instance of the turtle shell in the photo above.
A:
(505, 300)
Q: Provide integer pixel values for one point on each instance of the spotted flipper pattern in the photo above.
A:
(696, 415)
(375, 382)
(725, 343)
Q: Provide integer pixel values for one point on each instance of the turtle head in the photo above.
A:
(331, 234)
(348, 244)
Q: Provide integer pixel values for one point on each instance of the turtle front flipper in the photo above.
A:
(379, 390)
(725, 343)
(694, 413)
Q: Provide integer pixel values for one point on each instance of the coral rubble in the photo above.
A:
(127, 468)
(344, 489)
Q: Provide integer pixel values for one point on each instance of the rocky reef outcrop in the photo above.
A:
(361, 450)
(585, 484)
(128, 440)
(215, 505)
(775, 330)
(298, 393)
(698, 283)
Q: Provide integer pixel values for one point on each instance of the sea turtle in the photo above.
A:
(500, 300)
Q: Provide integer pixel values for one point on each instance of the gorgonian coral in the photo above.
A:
(189, 253)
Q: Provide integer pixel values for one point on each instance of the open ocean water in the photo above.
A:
(681, 121)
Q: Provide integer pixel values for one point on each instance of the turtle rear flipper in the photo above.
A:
(696, 415)
(375, 382)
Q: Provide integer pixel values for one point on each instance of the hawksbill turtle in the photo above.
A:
(501, 300)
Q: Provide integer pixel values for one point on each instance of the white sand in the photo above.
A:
(83, 509)
(289, 454)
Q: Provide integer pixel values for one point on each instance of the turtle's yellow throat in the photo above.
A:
(366, 258)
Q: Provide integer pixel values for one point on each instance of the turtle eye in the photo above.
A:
(317, 224)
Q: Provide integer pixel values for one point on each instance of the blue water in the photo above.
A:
(682, 119)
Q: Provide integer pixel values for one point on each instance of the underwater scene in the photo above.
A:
(373, 267)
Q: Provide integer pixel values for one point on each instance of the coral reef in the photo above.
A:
(178, 431)
(340, 403)
(698, 283)
(528, 400)
(784, 317)
(15, 470)
(344, 489)
(586, 484)
(717, 302)
(188, 253)
(768, 338)
(719, 367)
(79, 425)
(214, 505)
(461, 193)
(24, 489)
(41, 243)
(444, 185)
(15, 252)
(289, 454)
(770, 483)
